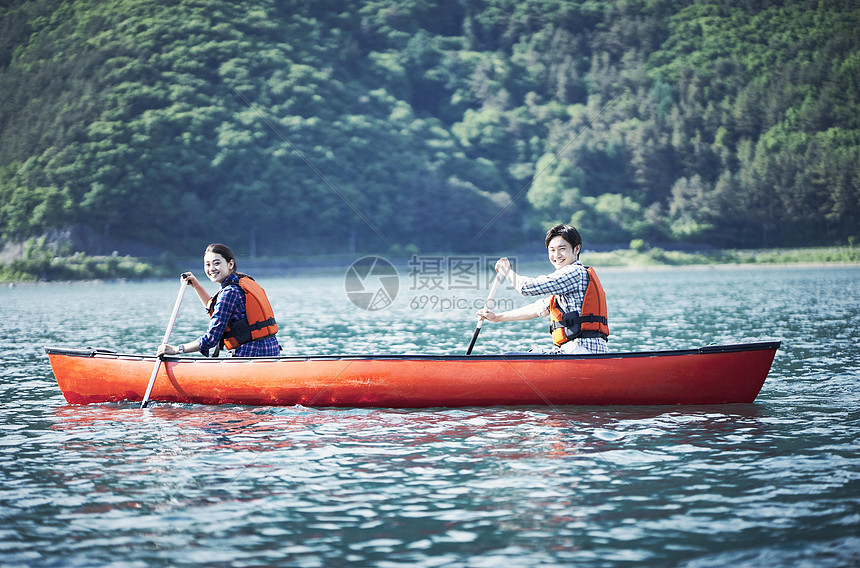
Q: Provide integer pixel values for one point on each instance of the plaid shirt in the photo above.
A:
(568, 284)
(230, 307)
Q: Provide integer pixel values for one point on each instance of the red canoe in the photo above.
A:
(708, 375)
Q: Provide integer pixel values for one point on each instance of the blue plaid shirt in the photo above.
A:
(568, 284)
(230, 307)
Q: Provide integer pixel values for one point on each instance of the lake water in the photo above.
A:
(773, 483)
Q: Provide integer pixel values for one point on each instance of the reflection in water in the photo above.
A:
(483, 479)
(240, 429)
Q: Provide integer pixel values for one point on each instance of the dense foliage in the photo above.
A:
(39, 262)
(285, 126)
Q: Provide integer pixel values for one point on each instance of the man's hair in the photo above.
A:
(567, 232)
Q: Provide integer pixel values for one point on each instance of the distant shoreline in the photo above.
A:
(726, 266)
(81, 267)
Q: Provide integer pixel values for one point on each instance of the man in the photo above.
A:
(576, 305)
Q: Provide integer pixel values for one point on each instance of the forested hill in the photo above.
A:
(290, 126)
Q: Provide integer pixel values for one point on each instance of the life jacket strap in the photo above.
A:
(571, 321)
(242, 331)
(588, 333)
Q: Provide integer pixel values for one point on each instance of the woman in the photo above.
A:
(240, 316)
(577, 305)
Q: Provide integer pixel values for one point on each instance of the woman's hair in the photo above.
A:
(224, 251)
(567, 232)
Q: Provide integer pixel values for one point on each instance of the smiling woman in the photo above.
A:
(240, 315)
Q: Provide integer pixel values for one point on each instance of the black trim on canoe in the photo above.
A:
(518, 356)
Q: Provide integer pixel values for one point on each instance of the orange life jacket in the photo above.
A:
(590, 322)
(260, 318)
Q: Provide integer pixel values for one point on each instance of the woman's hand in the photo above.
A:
(165, 349)
(201, 291)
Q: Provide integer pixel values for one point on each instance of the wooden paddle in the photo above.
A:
(486, 305)
(182, 288)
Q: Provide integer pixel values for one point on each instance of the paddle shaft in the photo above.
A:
(176, 305)
(486, 305)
